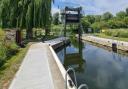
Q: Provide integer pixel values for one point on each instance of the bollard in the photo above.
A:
(114, 47)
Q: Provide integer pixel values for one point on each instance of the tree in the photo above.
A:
(0, 14)
(116, 23)
(97, 18)
(56, 19)
(126, 22)
(86, 24)
(121, 14)
(106, 16)
(98, 26)
(26, 14)
(127, 11)
(112, 23)
(29, 19)
(90, 18)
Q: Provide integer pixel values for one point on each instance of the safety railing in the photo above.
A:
(71, 82)
(83, 85)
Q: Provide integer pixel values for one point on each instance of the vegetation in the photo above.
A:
(117, 33)
(22, 14)
(85, 23)
(7, 49)
(110, 37)
(55, 19)
(8, 70)
(11, 57)
(25, 14)
(108, 25)
(106, 21)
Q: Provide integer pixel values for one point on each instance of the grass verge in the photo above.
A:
(8, 70)
(110, 37)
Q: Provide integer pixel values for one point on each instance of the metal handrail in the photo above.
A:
(83, 85)
(70, 69)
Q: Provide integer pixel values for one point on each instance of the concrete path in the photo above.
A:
(34, 72)
(41, 68)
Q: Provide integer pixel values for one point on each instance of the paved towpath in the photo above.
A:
(41, 68)
(34, 72)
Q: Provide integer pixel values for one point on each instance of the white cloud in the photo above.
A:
(55, 10)
(97, 6)
(112, 6)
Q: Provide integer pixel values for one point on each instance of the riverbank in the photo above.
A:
(121, 45)
(8, 70)
(110, 37)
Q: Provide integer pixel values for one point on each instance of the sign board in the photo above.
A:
(72, 15)
(72, 18)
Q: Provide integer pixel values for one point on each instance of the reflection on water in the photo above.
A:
(95, 66)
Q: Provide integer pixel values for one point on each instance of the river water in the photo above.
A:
(97, 67)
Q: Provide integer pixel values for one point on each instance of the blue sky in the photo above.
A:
(94, 7)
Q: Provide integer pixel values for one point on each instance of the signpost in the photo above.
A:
(72, 15)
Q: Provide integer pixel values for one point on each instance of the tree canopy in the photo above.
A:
(121, 14)
(106, 16)
(55, 19)
(107, 20)
(26, 14)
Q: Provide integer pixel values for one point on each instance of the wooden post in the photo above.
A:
(18, 37)
(79, 23)
(65, 23)
(65, 30)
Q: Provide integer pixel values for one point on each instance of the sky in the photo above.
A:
(92, 7)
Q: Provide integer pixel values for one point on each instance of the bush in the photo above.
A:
(123, 34)
(12, 49)
(109, 33)
(117, 33)
(2, 35)
(3, 55)
(86, 24)
(2, 47)
(99, 26)
(7, 49)
(57, 30)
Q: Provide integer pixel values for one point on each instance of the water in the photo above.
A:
(95, 66)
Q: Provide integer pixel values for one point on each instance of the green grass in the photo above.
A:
(8, 70)
(123, 33)
(8, 48)
(110, 37)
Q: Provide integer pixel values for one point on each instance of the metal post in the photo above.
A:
(70, 69)
(83, 85)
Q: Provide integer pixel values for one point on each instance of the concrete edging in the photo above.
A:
(61, 67)
(107, 42)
